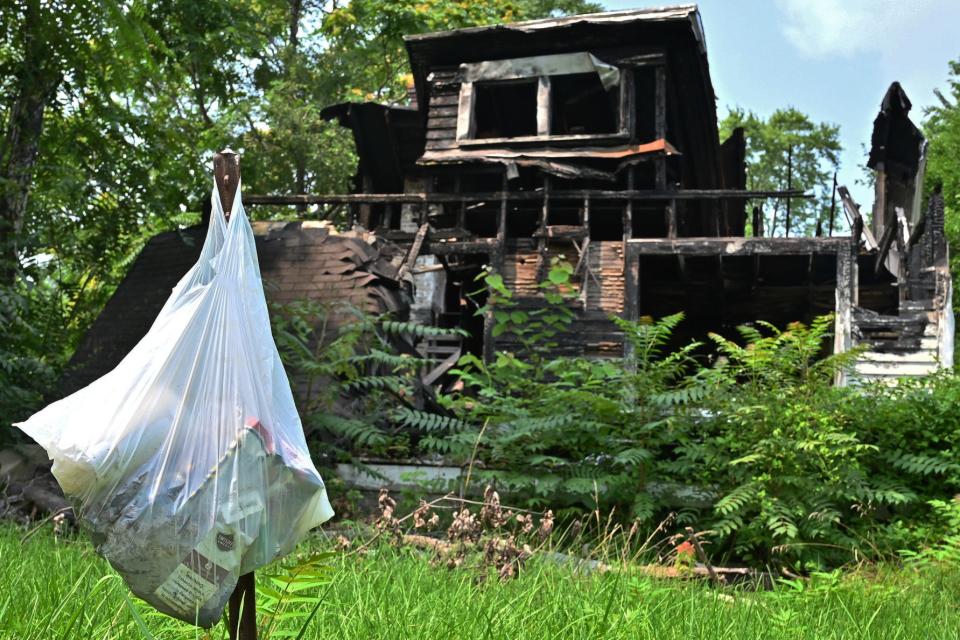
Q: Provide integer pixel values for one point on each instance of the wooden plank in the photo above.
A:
(733, 246)
(441, 134)
(543, 106)
(414, 252)
(852, 212)
(478, 246)
(885, 243)
(445, 99)
(660, 109)
(444, 111)
(843, 321)
(879, 199)
(438, 122)
(466, 122)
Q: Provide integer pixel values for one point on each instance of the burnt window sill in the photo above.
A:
(532, 141)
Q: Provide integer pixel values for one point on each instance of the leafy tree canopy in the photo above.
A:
(111, 112)
(942, 128)
(789, 150)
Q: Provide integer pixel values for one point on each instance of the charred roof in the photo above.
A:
(674, 34)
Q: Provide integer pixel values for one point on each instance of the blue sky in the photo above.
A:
(832, 59)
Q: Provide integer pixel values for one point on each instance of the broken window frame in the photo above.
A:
(466, 111)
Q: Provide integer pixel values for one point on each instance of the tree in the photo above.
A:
(942, 128)
(111, 112)
(789, 150)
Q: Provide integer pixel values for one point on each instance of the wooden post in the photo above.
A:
(833, 204)
(786, 233)
(497, 259)
(846, 297)
(226, 171)
(631, 282)
(542, 266)
(242, 609)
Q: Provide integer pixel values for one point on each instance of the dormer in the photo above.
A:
(609, 89)
(564, 97)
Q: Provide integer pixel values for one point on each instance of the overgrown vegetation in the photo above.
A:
(754, 445)
(111, 111)
(64, 590)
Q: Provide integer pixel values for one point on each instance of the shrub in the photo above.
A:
(755, 446)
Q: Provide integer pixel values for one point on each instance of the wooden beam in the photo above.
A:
(516, 196)
(735, 246)
(456, 247)
(885, 243)
(855, 220)
(414, 252)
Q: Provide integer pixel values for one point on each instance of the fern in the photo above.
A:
(736, 500)
(426, 421)
(921, 464)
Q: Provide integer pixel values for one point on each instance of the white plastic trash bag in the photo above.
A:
(188, 462)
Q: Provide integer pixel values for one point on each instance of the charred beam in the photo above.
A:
(598, 194)
(735, 246)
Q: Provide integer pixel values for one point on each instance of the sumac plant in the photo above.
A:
(754, 445)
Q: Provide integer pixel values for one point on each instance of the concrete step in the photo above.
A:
(895, 369)
(921, 356)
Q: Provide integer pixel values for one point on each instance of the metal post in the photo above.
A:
(242, 609)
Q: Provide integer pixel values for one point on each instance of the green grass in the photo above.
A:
(62, 589)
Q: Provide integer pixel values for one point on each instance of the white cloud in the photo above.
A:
(821, 28)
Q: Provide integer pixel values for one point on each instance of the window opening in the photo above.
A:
(580, 105)
(505, 109)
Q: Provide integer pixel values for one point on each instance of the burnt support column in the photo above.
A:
(496, 265)
(631, 282)
(846, 299)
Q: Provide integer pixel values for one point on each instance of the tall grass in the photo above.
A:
(53, 588)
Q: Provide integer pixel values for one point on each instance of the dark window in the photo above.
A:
(645, 86)
(505, 109)
(580, 105)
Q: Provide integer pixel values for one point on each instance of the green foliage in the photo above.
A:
(391, 592)
(942, 128)
(134, 99)
(535, 329)
(365, 37)
(356, 378)
(24, 378)
(758, 448)
(789, 138)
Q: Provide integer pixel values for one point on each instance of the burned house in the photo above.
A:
(593, 138)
